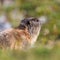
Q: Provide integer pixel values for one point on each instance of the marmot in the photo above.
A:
(23, 37)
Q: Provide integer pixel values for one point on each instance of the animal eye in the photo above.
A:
(37, 20)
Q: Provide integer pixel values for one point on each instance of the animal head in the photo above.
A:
(33, 26)
(30, 23)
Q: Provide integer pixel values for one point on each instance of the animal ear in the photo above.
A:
(28, 22)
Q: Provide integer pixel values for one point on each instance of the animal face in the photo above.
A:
(30, 23)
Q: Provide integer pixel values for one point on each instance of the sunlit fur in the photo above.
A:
(23, 37)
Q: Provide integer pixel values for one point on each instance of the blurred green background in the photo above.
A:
(47, 46)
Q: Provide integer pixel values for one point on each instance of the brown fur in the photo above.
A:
(14, 39)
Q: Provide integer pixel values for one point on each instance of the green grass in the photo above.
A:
(32, 54)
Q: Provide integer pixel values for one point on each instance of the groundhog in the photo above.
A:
(22, 37)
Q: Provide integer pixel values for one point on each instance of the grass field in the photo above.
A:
(32, 54)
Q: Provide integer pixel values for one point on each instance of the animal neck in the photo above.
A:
(34, 35)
